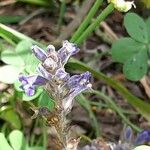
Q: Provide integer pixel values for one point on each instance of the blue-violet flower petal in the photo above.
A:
(143, 137)
(29, 83)
(66, 51)
(44, 72)
(39, 53)
(128, 133)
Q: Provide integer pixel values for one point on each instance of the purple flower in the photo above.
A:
(66, 51)
(52, 74)
(128, 133)
(79, 80)
(50, 49)
(52, 66)
(29, 83)
(39, 53)
(51, 55)
(75, 85)
(143, 137)
(51, 60)
(61, 74)
(44, 72)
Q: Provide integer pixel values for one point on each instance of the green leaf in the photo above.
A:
(17, 140)
(21, 57)
(11, 19)
(29, 98)
(142, 147)
(11, 58)
(148, 28)
(31, 64)
(136, 27)
(125, 48)
(23, 49)
(12, 35)
(9, 74)
(136, 67)
(17, 85)
(44, 3)
(46, 101)
(3, 143)
(12, 117)
(36, 148)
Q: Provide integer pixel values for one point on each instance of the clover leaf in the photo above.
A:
(136, 27)
(133, 52)
(17, 142)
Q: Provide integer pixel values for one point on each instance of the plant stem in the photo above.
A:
(44, 136)
(87, 20)
(116, 108)
(61, 14)
(32, 138)
(93, 26)
(37, 2)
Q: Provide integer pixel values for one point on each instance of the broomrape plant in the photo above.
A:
(63, 88)
(59, 84)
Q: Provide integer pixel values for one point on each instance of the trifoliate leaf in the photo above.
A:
(136, 67)
(136, 27)
(125, 48)
(17, 140)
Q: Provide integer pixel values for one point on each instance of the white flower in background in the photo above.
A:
(142, 147)
(122, 5)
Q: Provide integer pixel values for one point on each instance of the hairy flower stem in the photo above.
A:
(57, 119)
(109, 9)
(87, 20)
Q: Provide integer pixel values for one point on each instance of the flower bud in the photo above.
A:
(39, 53)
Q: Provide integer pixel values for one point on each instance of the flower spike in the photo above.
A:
(53, 75)
(62, 87)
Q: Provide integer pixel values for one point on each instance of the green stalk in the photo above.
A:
(37, 2)
(11, 19)
(109, 9)
(44, 136)
(116, 108)
(61, 14)
(86, 105)
(87, 20)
